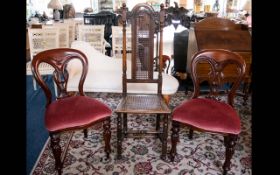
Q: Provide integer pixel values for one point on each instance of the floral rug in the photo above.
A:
(204, 154)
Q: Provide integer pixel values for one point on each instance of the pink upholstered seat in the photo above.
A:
(220, 117)
(73, 112)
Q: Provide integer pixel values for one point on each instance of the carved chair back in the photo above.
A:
(214, 23)
(59, 59)
(143, 27)
(218, 60)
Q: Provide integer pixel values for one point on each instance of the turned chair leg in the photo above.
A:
(107, 136)
(191, 133)
(158, 127)
(246, 91)
(157, 122)
(164, 137)
(174, 139)
(119, 136)
(85, 133)
(230, 142)
(56, 149)
(125, 124)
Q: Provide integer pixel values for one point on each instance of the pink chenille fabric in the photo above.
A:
(209, 115)
(74, 111)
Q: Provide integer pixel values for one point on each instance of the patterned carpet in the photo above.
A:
(204, 154)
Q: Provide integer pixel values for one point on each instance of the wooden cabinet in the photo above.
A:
(238, 41)
(219, 33)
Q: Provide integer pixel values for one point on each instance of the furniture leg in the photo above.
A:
(190, 133)
(246, 91)
(164, 138)
(174, 139)
(56, 149)
(85, 133)
(125, 124)
(119, 137)
(158, 122)
(107, 136)
(230, 142)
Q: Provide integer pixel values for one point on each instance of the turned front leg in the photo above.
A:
(56, 149)
(158, 122)
(125, 124)
(164, 137)
(107, 136)
(174, 139)
(85, 133)
(230, 142)
(119, 136)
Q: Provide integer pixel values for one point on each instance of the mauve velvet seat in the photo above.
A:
(220, 117)
(73, 112)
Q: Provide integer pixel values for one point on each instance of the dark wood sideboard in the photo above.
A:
(219, 33)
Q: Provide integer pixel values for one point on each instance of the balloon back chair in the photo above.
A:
(143, 23)
(68, 111)
(211, 114)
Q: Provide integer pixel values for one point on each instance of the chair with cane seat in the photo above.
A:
(143, 23)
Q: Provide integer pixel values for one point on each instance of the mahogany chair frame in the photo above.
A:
(58, 59)
(218, 60)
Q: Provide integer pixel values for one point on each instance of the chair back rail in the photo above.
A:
(219, 60)
(143, 27)
(58, 59)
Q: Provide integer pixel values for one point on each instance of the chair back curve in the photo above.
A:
(58, 59)
(219, 61)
